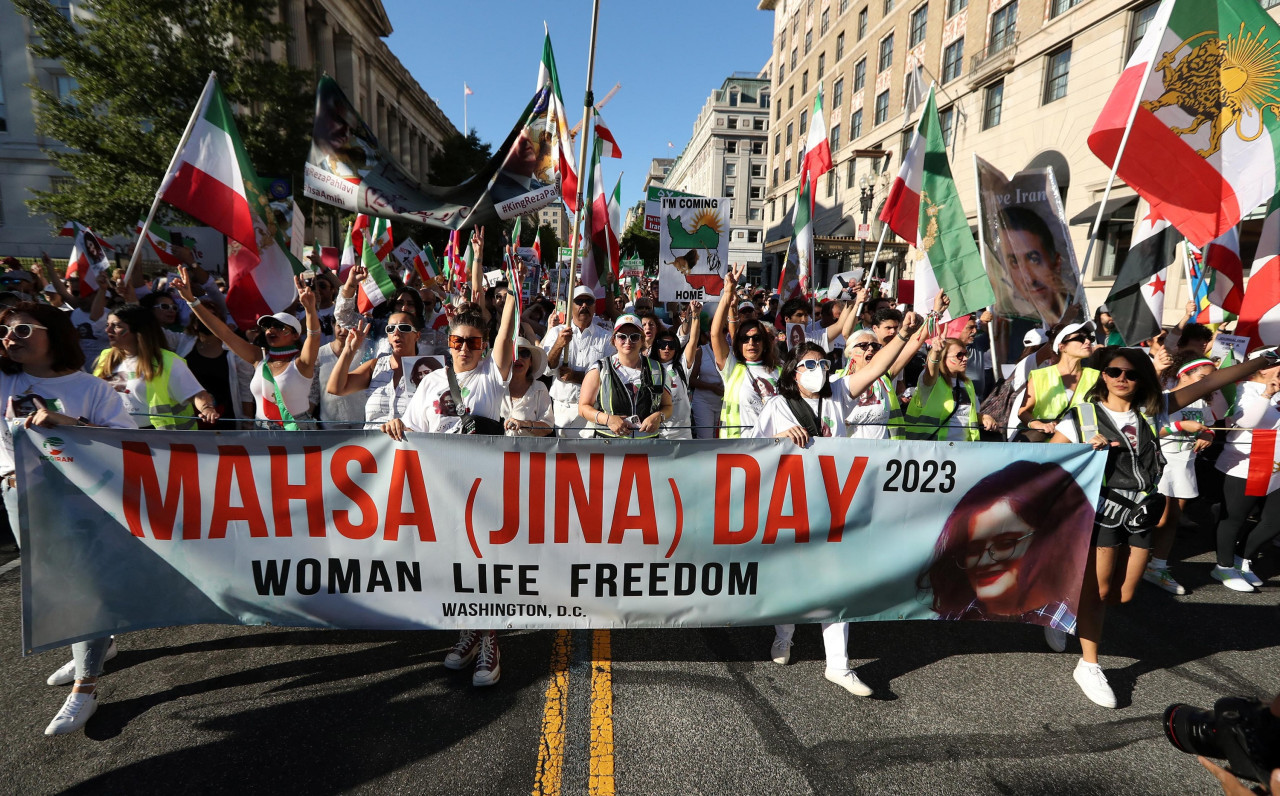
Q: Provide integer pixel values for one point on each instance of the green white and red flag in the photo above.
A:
(1203, 147)
(558, 126)
(162, 243)
(609, 145)
(1260, 308)
(426, 266)
(88, 260)
(353, 245)
(377, 287)
(924, 209)
(213, 181)
(817, 149)
(1220, 287)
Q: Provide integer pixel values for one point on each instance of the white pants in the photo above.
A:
(706, 415)
(568, 421)
(835, 640)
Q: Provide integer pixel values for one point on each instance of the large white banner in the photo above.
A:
(125, 530)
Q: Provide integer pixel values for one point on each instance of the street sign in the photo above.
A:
(864, 232)
(652, 212)
(566, 252)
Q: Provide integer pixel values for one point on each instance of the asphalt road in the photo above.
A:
(960, 708)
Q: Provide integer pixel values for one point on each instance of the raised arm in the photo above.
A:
(859, 381)
(695, 333)
(1219, 379)
(238, 345)
(306, 363)
(502, 353)
(342, 380)
(51, 276)
(477, 272)
(719, 346)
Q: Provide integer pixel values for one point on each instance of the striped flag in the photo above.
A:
(1137, 298)
(377, 287)
(161, 242)
(88, 259)
(1264, 470)
(1220, 287)
(609, 145)
(558, 126)
(817, 149)
(1260, 308)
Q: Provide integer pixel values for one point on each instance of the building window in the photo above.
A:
(844, 6)
(808, 40)
(953, 60)
(733, 123)
(1059, 7)
(947, 119)
(862, 24)
(753, 235)
(731, 147)
(791, 96)
(775, 179)
(831, 183)
(886, 54)
(955, 7)
(1270, 3)
(1114, 248)
(757, 169)
(63, 7)
(855, 125)
(835, 137)
(849, 172)
(728, 191)
(755, 192)
(1142, 20)
(837, 93)
(1055, 78)
(860, 75)
(777, 143)
(992, 101)
(822, 65)
(764, 97)
(782, 71)
(888, 7)
(882, 107)
(757, 123)
(786, 170)
(919, 23)
(794, 58)
(839, 47)
(826, 21)
(730, 169)
(804, 122)
(790, 125)
(63, 88)
(733, 98)
(1004, 27)
(804, 81)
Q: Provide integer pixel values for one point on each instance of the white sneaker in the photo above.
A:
(780, 651)
(848, 680)
(1162, 578)
(1232, 578)
(1055, 638)
(1246, 571)
(74, 714)
(66, 674)
(1094, 684)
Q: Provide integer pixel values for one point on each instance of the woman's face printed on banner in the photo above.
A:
(998, 541)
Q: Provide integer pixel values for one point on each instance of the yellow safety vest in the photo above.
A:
(1051, 396)
(931, 408)
(159, 397)
(730, 413)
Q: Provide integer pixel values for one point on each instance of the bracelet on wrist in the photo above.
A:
(192, 304)
(904, 337)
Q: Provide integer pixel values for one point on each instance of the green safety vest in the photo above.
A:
(1051, 396)
(616, 399)
(730, 413)
(931, 408)
(159, 397)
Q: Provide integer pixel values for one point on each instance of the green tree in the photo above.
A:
(550, 242)
(636, 239)
(139, 67)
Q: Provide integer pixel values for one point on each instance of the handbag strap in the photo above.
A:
(454, 391)
(286, 417)
(805, 415)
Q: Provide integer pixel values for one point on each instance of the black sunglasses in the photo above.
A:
(863, 346)
(1126, 373)
(660, 344)
(582, 301)
(1075, 338)
(272, 325)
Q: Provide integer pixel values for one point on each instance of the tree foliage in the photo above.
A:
(139, 66)
(636, 239)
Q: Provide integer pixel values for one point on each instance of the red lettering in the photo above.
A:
(338, 474)
(310, 491)
(726, 463)
(510, 500)
(234, 463)
(406, 470)
(589, 502)
(634, 477)
(839, 498)
(788, 481)
(537, 498)
(140, 481)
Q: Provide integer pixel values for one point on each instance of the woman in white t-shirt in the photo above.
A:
(388, 389)
(481, 386)
(527, 410)
(872, 411)
(283, 368)
(41, 385)
(676, 365)
(154, 383)
(1121, 412)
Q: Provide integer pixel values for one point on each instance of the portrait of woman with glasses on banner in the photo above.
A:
(1013, 549)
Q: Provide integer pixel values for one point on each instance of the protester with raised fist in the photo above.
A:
(749, 368)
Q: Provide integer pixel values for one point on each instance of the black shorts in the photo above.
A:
(1126, 518)
(1116, 537)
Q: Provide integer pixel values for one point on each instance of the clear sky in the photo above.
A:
(668, 56)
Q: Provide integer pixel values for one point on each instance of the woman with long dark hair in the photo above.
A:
(284, 366)
(388, 388)
(154, 383)
(1122, 415)
(748, 368)
(42, 385)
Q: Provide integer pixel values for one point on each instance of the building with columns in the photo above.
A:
(341, 37)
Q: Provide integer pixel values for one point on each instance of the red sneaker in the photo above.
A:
(464, 651)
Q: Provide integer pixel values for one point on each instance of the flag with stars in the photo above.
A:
(1136, 299)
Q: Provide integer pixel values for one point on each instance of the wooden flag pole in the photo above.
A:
(586, 132)
(168, 177)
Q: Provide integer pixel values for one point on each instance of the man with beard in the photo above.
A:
(571, 349)
(1105, 325)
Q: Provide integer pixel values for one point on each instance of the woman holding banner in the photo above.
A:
(528, 410)
(465, 397)
(284, 367)
(624, 395)
(1121, 415)
(676, 365)
(749, 368)
(388, 387)
(42, 384)
(944, 406)
(809, 405)
(875, 412)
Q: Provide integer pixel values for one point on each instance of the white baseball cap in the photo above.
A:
(285, 318)
(1035, 337)
(583, 290)
(1070, 329)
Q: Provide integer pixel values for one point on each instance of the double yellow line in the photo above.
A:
(549, 775)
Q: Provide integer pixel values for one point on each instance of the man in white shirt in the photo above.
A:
(572, 348)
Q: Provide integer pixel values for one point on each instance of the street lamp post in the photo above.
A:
(865, 198)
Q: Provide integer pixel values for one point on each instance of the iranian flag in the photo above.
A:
(377, 287)
(212, 180)
(88, 260)
(924, 209)
(794, 275)
(558, 126)
(609, 149)
(1222, 275)
(1137, 298)
(1260, 309)
(817, 149)
(1264, 474)
(1202, 149)
(353, 245)
(598, 266)
(162, 243)
(426, 266)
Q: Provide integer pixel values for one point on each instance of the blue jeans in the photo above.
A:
(88, 655)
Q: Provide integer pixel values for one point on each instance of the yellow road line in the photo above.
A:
(600, 777)
(548, 776)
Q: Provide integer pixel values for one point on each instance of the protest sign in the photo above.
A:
(632, 267)
(653, 206)
(1222, 343)
(139, 529)
(1027, 246)
(693, 248)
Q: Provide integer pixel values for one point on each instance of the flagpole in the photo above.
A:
(875, 258)
(168, 175)
(1115, 167)
(587, 101)
(982, 253)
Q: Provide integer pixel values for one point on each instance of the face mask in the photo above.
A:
(812, 380)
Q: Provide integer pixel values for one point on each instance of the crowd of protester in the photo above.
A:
(161, 352)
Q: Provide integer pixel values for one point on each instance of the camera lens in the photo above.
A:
(1191, 730)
